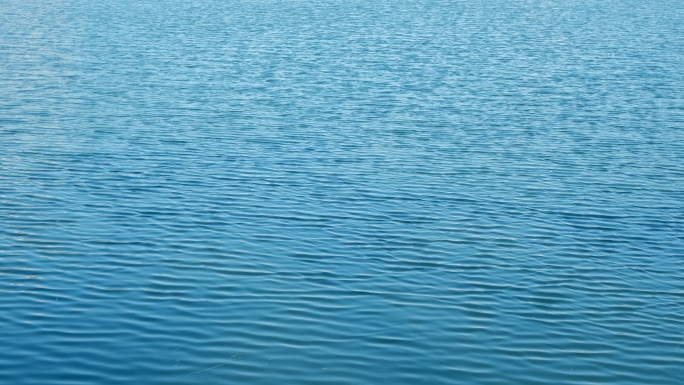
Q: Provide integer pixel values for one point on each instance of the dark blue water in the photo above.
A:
(341, 192)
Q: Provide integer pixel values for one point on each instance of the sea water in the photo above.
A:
(341, 192)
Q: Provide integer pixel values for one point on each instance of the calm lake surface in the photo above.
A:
(341, 192)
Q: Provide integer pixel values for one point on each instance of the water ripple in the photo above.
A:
(341, 192)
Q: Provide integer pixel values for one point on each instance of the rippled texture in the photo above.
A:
(341, 192)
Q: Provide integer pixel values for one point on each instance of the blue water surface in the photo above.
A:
(341, 192)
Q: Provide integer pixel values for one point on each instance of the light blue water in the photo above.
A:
(341, 192)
